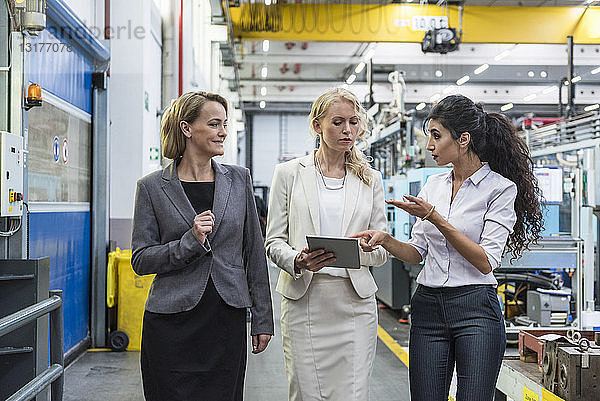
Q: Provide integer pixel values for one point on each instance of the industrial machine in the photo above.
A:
(394, 188)
(397, 280)
(553, 281)
(577, 372)
(399, 222)
(548, 307)
(571, 366)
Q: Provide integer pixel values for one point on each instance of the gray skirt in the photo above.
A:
(329, 340)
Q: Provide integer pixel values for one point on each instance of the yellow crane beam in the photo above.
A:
(394, 23)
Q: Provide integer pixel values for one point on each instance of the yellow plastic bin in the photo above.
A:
(128, 291)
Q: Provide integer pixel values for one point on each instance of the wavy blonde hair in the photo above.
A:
(186, 107)
(356, 160)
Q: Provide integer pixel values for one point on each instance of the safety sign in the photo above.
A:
(56, 149)
(65, 152)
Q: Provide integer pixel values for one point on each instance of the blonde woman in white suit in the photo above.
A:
(328, 314)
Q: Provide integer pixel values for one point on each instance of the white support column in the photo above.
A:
(15, 247)
(215, 66)
(576, 206)
(17, 40)
(587, 217)
(170, 55)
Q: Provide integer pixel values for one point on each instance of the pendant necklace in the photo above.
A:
(323, 177)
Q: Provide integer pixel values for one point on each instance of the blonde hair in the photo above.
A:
(356, 160)
(186, 107)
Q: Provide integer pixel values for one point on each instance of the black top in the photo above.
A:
(200, 194)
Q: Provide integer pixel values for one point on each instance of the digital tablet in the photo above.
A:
(345, 249)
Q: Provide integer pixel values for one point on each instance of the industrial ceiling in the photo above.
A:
(511, 51)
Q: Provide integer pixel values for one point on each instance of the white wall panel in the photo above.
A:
(135, 72)
(151, 81)
(299, 141)
(265, 147)
(273, 142)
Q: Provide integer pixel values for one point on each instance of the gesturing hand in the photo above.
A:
(203, 225)
(371, 239)
(415, 206)
(313, 261)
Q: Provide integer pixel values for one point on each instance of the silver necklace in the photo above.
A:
(323, 177)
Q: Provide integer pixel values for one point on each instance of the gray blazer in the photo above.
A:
(233, 255)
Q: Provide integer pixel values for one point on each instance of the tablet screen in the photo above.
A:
(346, 250)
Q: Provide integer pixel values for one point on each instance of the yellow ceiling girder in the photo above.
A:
(393, 23)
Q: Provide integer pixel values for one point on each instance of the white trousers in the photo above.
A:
(329, 340)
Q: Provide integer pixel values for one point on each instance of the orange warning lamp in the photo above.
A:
(34, 96)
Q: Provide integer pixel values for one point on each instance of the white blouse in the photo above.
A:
(483, 210)
(331, 212)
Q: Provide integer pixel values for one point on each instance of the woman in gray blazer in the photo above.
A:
(195, 227)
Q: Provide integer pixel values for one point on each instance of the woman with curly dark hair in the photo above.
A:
(487, 203)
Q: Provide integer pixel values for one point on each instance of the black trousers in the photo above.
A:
(460, 326)
(195, 355)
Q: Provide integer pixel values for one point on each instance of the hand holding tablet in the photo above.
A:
(312, 260)
(344, 249)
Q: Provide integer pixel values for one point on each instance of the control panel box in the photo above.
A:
(548, 307)
(11, 184)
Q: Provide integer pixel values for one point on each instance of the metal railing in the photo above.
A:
(54, 374)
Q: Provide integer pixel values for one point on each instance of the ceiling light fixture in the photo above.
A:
(264, 71)
(502, 55)
(350, 79)
(595, 71)
(267, 2)
(266, 45)
(263, 91)
(369, 54)
(530, 97)
(438, 73)
(591, 107)
(507, 106)
(530, 74)
(576, 79)
(481, 68)
(543, 74)
(360, 67)
(420, 106)
(449, 89)
(549, 89)
(462, 80)
(262, 104)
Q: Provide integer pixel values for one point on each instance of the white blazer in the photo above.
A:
(294, 213)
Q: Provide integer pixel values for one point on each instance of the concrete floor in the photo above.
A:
(111, 376)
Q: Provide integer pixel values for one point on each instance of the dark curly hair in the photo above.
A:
(494, 140)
